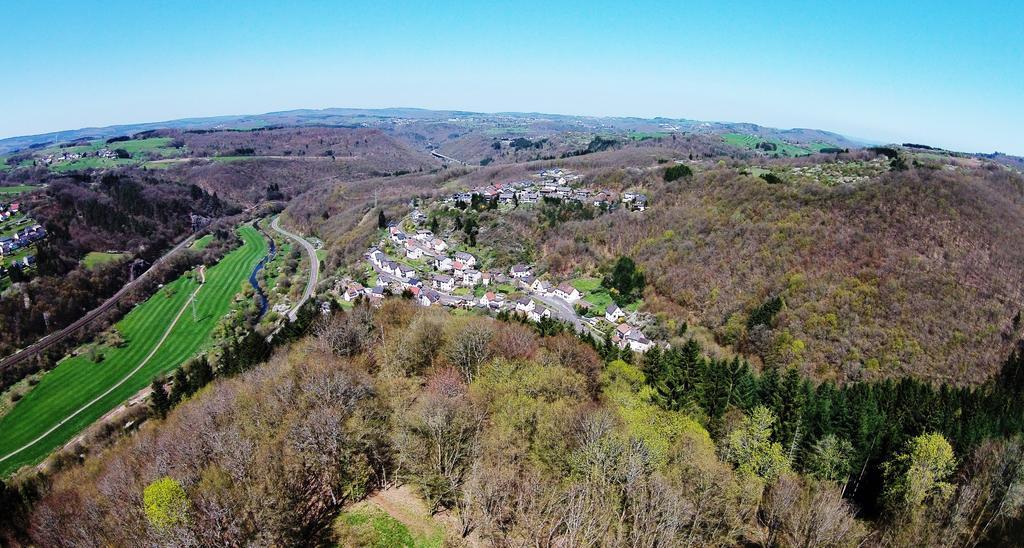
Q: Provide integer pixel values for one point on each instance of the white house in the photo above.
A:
(353, 292)
(568, 292)
(443, 264)
(538, 314)
(542, 287)
(437, 244)
(525, 304)
(471, 277)
(413, 250)
(627, 336)
(519, 271)
(465, 258)
(405, 272)
(488, 298)
(444, 282)
(613, 313)
(428, 297)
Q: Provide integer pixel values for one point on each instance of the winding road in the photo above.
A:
(314, 266)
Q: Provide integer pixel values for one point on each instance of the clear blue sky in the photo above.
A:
(948, 74)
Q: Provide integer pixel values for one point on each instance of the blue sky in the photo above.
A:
(949, 74)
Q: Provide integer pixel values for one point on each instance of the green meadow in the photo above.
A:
(78, 380)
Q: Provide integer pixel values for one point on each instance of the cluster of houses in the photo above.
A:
(51, 159)
(454, 278)
(552, 184)
(21, 238)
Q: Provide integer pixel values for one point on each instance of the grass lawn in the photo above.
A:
(77, 380)
(96, 258)
(18, 255)
(593, 293)
(17, 189)
(14, 224)
(369, 526)
(201, 243)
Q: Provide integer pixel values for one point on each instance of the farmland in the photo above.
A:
(782, 148)
(78, 380)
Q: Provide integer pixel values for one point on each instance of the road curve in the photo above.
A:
(167, 332)
(314, 266)
(51, 339)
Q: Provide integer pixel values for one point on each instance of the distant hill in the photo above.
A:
(394, 118)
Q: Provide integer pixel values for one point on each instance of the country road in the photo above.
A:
(314, 266)
(55, 337)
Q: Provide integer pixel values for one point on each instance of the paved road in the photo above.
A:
(565, 311)
(167, 332)
(53, 338)
(314, 267)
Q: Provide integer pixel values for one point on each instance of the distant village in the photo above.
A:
(415, 262)
(17, 233)
(552, 184)
(51, 159)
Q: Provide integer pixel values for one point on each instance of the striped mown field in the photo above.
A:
(77, 381)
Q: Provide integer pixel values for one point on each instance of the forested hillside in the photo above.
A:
(521, 439)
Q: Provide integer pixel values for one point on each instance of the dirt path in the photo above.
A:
(124, 379)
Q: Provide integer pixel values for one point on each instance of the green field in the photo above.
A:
(781, 148)
(93, 259)
(201, 243)
(78, 380)
(644, 135)
(152, 148)
(16, 189)
(593, 293)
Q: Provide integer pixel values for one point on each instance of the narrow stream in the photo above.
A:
(253, 278)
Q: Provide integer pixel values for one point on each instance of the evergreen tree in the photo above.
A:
(382, 220)
(159, 402)
(181, 387)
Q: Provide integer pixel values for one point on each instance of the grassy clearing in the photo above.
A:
(78, 380)
(593, 293)
(201, 243)
(93, 259)
(394, 517)
(17, 189)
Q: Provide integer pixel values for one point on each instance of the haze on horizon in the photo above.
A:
(949, 77)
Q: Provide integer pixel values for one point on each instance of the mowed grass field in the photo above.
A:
(78, 380)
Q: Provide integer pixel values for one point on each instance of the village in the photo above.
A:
(18, 234)
(414, 262)
(550, 184)
(52, 159)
